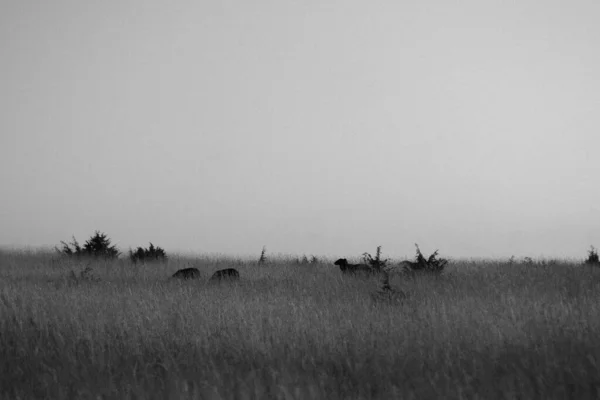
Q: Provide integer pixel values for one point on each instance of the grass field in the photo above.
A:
(484, 330)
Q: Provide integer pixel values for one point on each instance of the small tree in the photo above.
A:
(150, 254)
(99, 245)
(593, 257)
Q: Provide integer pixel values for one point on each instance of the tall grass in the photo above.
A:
(288, 331)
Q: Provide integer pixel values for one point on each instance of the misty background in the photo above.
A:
(311, 127)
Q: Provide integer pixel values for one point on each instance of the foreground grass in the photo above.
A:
(287, 331)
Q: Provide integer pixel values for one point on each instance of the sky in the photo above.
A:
(309, 127)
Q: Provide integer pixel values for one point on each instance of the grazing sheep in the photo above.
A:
(354, 268)
(187, 273)
(225, 274)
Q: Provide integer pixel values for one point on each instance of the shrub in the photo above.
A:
(147, 255)
(99, 245)
(431, 265)
(593, 257)
(375, 262)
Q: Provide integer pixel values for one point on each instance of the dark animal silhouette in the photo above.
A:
(187, 273)
(225, 274)
(408, 266)
(354, 268)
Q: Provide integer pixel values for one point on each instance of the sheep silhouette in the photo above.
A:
(229, 274)
(187, 273)
(408, 266)
(353, 269)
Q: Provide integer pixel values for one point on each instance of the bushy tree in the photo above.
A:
(150, 254)
(98, 245)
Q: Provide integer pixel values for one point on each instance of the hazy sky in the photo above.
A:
(317, 127)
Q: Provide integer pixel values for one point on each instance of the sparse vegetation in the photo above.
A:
(147, 254)
(305, 260)
(98, 245)
(301, 261)
(263, 256)
(487, 330)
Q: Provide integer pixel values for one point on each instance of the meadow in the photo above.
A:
(482, 330)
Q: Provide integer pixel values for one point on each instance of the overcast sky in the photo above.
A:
(317, 127)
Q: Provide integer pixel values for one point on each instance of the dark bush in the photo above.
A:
(375, 262)
(431, 265)
(147, 255)
(593, 257)
(98, 245)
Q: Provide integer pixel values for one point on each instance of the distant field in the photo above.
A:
(484, 330)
